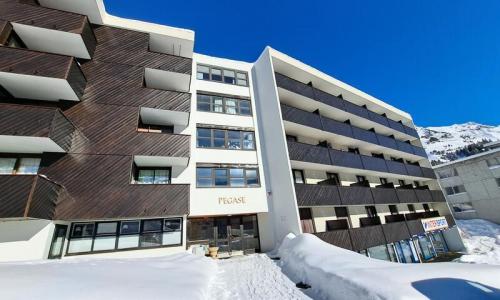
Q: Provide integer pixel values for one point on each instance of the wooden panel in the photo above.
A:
(437, 196)
(295, 86)
(396, 167)
(415, 227)
(384, 196)
(424, 196)
(299, 116)
(374, 163)
(38, 16)
(329, 99)
(76, 79)
(345, 159)
(308, 153)
(414, 170)
(366, 237)
(394, 232)
(44, 199)
(406, 196)
(355, 195)
(339, 238)
(364, 135)
(317, 195)
(15, 191)
(122, 46)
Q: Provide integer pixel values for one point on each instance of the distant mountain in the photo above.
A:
(448, 143)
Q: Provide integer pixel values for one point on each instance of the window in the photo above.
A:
(393, 209)
(493, 162)
(19, 165)
(360, 178)
(226, 105)
(222, 75)
(426, 207)
(371, 211)
(126, 234)
(463, 207)
(152, 176)
(447, 173)
(401, 182)
(411, 208)
(353, 150)
(383, 181)
(227, 177)
(457, 189)
(341, 212)
(154, 128)
(227, 139)
(378, 155)
(333, 178)
(298, 176)
(291, 138)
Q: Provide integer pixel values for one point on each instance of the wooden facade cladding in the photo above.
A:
(366, 237)
(39, 16)
(313, 120)
(326, 156)
(28, 196)
(308, 91)
(33, 121)
(122, 46)
(34, 63)
(309, 195)
(339, 238)
(394, 232)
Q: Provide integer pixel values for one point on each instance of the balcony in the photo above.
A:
(31, 129)
(302, 152)
(40, 76)
(339, 238)
(28, 196)
(48, 30)
(369, 221)
(299, 88)
(438, 196)
(310, 195)
(343, 130)
(394, 218)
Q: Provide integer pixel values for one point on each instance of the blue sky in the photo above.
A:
(437, 60)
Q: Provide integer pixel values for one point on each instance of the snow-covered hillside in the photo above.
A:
(442, 143)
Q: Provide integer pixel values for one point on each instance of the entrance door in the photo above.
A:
(236, 234)
(56, 247)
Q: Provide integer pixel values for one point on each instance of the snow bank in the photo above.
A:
(336, 273)
(179, 276)
(482, 241)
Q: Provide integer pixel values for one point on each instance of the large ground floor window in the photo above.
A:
(90, 237)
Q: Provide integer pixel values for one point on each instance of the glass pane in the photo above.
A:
(7, 165)
(28, 166)
(107, 228)
(57, 246)
(162, 176)
(128, 241)
(151, 225)
(204, 182)
(237, 182)
(219, 143)
(203, 132)
(171, 238)
(129, 227)
(204, 142)
(219, 134)
(104, 243)
(248, 138)
(203, 172)
(252, 179)
(221, 177)
(216, 74)
(231, 106)
(202, 73)
(83, 230)
(379, 252)
(172, 224)
(229, 77)
(150, 240)
(218, 104)
(236, 172)
(241, 79)
(146, 176)
(245, 107)
(233, 139)
(80, 245)
(203, 103)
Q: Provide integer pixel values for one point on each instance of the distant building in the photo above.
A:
(472, 184)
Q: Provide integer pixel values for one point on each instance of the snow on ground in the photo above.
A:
(336, 273)
(252, 277)
(179, 276)
(482, 241)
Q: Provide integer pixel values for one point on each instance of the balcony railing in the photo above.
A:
(326, 156)
(28, 196)
(302, 117)
(39, 27)
(40, 76)
(331, 100)
(29, 129)
(309, 195)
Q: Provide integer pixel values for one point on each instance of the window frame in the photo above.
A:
(228, 176)
(137, 169)
(119, 234)
(18, 158)
(222, 69)
(226, 139)
(301, 173)
(212, 105)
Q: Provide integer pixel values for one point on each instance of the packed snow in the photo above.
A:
(482, 241)
(336, 273)
(253, 277)
(439, 141)
(178, 276)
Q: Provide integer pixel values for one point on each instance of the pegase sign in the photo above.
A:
(434, 223)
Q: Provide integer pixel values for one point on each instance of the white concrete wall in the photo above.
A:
(283, 208)
(25, 239)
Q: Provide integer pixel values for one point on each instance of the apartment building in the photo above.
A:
(472, 185)
(117, 140)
